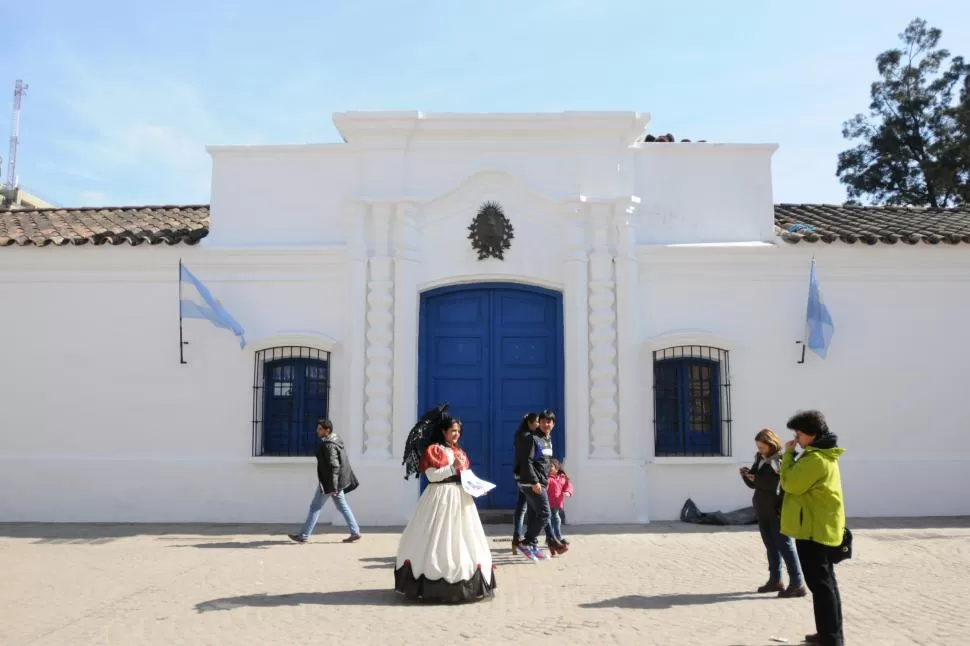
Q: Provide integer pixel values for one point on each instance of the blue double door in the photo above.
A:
(494, 352)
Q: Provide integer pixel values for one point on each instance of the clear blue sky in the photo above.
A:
(125, 94)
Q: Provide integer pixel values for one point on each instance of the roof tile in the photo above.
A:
(153, 225)
(871, 225)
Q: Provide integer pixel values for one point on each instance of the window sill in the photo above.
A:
(696, 460)
(275, 459)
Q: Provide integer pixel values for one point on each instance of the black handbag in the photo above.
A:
(844, 551)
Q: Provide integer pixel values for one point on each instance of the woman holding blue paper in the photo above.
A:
(444, 554)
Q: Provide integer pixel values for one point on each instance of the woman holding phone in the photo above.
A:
(763, 477)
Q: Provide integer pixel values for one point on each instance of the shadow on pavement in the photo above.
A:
(235, 545)
(379, 562)
(101, 533)
(381, 597)
(665, 601)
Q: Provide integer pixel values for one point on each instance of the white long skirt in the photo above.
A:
(444, 554)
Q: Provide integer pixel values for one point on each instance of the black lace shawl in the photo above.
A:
(419, 438)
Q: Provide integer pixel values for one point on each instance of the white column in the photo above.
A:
(378, 405)
(631, 426)
(576, 336)
(353, 351)
(406, 300)
(604, 437)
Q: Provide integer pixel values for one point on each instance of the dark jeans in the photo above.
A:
(820, 578)
(779, 547)
(536, 516)
(518, 518)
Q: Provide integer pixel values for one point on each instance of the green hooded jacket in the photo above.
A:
(812, 508)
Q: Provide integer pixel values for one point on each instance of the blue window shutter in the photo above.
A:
(700, 399)
(295, 397)
(667, 409)
(687, 406)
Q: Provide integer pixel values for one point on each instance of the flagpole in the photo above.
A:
(181, 342)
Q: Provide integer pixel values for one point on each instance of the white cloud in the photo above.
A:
(139, 138)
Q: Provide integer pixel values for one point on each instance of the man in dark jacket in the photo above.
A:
(336, 479)
(533, 454)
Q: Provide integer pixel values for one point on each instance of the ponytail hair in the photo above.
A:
(527, 419)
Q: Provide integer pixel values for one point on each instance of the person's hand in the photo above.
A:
(537, 488)
(790, 445)
(749, 476)
(335, 492)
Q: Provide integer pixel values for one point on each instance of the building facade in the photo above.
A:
(652, 294)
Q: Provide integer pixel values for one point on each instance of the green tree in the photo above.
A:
(914, 145)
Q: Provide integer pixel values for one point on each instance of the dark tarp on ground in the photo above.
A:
(689, 513)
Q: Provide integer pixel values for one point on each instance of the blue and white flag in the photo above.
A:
(818, 322)
(197, 302)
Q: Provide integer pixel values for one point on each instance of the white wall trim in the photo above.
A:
(317, 340)
(694, 460)
(473, 279)
(688, 337)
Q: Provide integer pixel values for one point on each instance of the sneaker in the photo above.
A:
(537, 553)
(297, 538)
(527, 552)
(353, 538)
(772, 586)
(793, 591)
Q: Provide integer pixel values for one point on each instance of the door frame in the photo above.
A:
(559, 403)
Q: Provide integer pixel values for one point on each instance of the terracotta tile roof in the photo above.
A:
(172, 225)
(134, 225)
(871, 224)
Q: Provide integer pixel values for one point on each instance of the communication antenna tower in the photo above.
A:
(19, 90)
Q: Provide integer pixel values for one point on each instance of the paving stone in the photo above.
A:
(666, 583)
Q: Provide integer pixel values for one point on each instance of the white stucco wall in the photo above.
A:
(889, 387)
(101, 423)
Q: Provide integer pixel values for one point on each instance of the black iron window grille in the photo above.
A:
(291, 391)
(691, 402)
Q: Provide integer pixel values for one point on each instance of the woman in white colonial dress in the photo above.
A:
(444, 554)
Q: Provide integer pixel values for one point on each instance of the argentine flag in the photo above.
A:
(197, 302)
(818, 322)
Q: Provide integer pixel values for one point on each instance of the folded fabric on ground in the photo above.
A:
(689, 513)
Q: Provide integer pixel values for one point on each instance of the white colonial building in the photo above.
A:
(652, 294)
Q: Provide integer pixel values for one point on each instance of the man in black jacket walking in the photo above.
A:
(533, 454)
(336, 479)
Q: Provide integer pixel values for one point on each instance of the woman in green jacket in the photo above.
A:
(813, 514)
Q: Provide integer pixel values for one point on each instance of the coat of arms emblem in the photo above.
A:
(490, 232)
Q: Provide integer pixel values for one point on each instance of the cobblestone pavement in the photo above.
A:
(666, 583)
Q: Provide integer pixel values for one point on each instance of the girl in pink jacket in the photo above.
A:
(559, 488)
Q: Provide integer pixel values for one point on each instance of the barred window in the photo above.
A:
(291, 391)
(692, 401)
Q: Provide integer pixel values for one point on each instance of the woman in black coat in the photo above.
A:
(763, 477)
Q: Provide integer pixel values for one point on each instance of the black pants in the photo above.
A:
(819, 575)
(536, 515)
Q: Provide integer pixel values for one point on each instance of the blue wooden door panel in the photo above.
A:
(526, 368)
(494, 352)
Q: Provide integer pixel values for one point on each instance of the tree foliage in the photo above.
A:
(914, 145)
